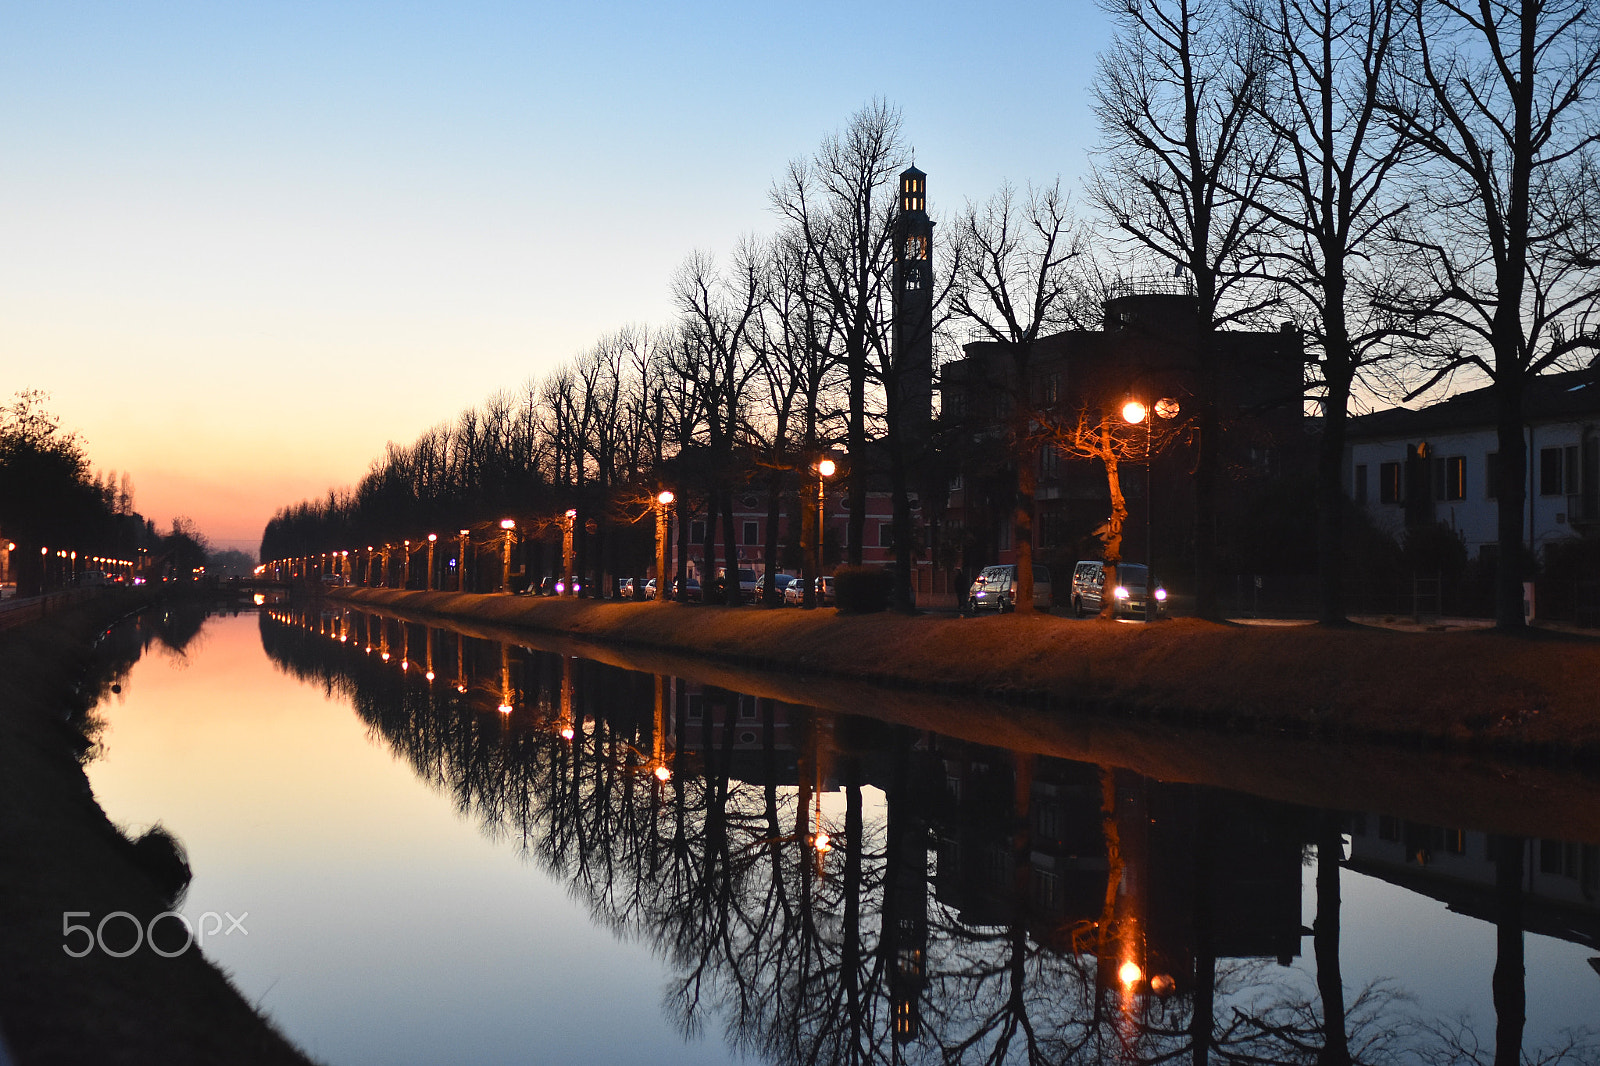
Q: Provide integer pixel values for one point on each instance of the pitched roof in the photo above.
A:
(1547, 398)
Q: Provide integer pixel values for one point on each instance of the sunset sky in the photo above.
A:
(246, 244)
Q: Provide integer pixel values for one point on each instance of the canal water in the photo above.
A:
(432, 847)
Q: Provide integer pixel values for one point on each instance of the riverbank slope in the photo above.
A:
(63, 855)
(1533, 695)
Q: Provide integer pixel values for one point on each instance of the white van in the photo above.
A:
(994, 589)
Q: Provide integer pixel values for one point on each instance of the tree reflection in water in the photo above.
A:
(831, 889)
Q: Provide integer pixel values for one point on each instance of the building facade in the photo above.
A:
(1439, 465)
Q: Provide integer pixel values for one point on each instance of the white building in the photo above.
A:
(1440, 463)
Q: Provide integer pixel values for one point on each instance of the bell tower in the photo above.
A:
(913, 307)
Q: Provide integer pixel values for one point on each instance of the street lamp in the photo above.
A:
(663, 501)
(508, 525)
(1134, 412)
(566, 554)
(461, 563)
(433, 538)
(825, 470)
(405, 568)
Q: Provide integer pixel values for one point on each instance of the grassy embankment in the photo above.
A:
(1532, 695)
(63, 854)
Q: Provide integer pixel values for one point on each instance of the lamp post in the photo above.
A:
(1134, 412)
(825, 470)
(461, 563)
(405, 567)
(663, 501)
(508, 525)
(433, 538)
(566, 553)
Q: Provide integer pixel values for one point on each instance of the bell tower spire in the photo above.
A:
(913, 307)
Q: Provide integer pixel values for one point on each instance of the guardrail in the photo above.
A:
(16, 612)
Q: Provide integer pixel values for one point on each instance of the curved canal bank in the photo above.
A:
(63, 856)
(1532, 696)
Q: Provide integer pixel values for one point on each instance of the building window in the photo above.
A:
(1049, 389)
(697, 707)
(1361, 483)
(747, 707)
(752, 532)
(1046, 890)
(1003, 537)
(697, 532)
(1450, 478)
(1389, 483)
(1049, 461)
(1550, 481)
(885, 534)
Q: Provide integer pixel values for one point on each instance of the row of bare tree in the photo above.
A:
(1412, 182)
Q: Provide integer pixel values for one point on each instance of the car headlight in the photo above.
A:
(1122, 592)
(1161, 595)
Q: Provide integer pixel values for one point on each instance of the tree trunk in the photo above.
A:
(1331, 501)
(1512, 492)
(730, 554)
(1027, 484)
(1510, 993)
(769, 554)
(1325, 931)
(857, 522)
(1111, 536)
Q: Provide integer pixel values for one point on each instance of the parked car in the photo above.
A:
(795, 594)
(994, 589)
(781, 583)
(650, 589)
(626, 587)
(689, 593)
(1131, 590)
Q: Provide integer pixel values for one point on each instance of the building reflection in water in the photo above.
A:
(832, 888)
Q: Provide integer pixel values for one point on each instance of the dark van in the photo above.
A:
(1131, 590)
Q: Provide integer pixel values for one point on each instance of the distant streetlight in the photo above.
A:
(663, 501)
(566, 554)
(825, 469)
(433, 538)
(508, 525)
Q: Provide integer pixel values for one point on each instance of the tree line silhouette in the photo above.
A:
(1410, 183)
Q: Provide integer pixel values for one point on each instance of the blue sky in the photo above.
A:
(246, 244)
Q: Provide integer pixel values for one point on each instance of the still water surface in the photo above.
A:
(535, 858)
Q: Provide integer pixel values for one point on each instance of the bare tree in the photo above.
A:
(1500, 95)
(1332, 199)
(1182, 160)
(1014, 282)
(841, 205)
(1101, 434)
(719, 314)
